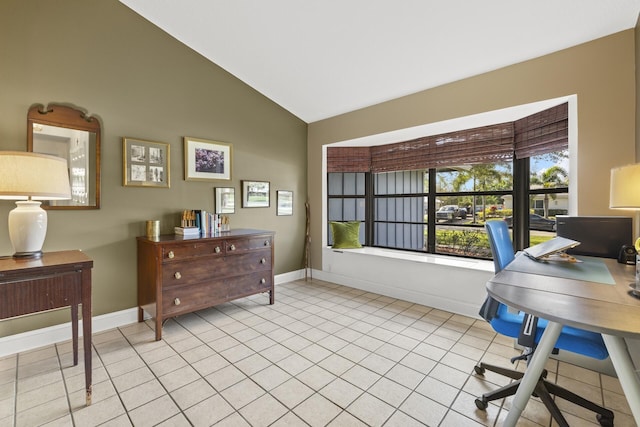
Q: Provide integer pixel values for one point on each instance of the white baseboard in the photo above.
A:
(53, 334)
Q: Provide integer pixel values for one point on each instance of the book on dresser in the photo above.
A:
(187, 231)
(180, 274)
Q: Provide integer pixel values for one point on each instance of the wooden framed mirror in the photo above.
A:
(68, 132)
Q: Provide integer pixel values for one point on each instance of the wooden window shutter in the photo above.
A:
(543, 132)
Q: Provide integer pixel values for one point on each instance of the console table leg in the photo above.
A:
(74, 332)
(86, 331)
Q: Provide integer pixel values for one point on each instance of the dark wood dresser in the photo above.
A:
(179, 275)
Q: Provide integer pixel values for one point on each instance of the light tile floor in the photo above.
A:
(324, 354)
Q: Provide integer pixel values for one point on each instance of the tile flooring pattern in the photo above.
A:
(324, 354)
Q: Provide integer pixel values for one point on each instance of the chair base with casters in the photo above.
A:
(544, 390)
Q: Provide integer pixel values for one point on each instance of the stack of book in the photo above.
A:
(187, 231)
(202, 223)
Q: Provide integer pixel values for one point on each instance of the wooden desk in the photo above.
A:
(57, 279)
(599, 307)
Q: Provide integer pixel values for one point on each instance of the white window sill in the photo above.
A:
(442, 260)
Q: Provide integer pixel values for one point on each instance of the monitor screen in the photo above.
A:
(601, 236)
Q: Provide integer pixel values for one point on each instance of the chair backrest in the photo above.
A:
(500, 242)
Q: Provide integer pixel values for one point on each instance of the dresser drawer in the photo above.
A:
(192, 249)
(248, 244)
(202, 269)
(247, 262)
(40, 294)
(185, 299)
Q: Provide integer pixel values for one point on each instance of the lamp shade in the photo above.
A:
(625, 187)
(31, 175)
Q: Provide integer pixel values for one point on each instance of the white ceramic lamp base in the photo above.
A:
(27, 229)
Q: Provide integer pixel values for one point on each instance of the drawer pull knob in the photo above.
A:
(263, 260)
(217, 249)
(263, 281)
(171, 255)
(176, 301)
(177, 275)
(267, 243)
(232, 247)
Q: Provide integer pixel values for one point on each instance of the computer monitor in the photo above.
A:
(601, 236)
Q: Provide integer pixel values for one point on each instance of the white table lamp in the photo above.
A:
(27, 178)
(625, 194)
(625, 190)
(625, 187)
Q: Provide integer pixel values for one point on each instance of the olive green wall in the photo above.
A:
(104, 58)
(601, 73)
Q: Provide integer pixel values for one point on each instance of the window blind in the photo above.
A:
(487, 144)
(539, 133)
(348, 159)
(543, 132)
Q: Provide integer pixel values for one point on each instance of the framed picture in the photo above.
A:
(255, 194)
(225, 200)
(206, 160)
(285, 202)
(145, 163)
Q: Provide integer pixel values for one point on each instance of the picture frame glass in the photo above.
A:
(255, 194)
(145, 163)
(225, 200)
(206, 160)
(285, 202)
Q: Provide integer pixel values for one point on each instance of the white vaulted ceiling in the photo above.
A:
(318, 59)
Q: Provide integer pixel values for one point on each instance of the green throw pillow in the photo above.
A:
(346, 234)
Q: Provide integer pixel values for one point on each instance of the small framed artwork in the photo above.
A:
(225, 200)
(285, 202)
(255, 194)
(145, 163)
(206, 160)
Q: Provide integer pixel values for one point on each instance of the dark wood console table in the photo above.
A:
(57, 279)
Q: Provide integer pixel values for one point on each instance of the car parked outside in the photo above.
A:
(536, 222)
(450, 212)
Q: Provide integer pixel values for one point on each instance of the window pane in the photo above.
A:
(381, 209)
(464, 241)
(334, 185)
(542, 215)
(349, 184)
(549, 170)
(380, 183)
(360, 187)
(360, 210)
(401, 236)
(349, 213)
(335, 209)
(487, 177)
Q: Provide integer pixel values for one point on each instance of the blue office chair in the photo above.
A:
(504, 322)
